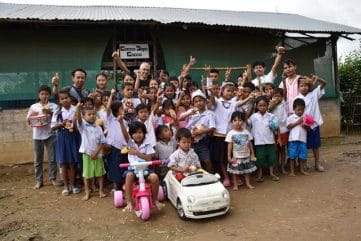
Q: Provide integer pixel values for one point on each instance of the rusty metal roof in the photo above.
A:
(261, 20)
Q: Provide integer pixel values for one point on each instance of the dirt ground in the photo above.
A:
(322, 206)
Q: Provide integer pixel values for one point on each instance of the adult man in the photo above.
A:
(77, 90)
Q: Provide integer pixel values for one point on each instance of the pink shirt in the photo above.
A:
(292, 93)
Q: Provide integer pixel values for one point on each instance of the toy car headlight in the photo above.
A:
(191, 199)
(225, 194)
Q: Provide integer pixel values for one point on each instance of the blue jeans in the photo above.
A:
(39, 156)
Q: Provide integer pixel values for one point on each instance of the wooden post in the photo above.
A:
(155, 57)
(114, 62)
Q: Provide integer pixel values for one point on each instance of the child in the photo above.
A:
(168, 116)
(223, 109)
(311, 98)
(148, 119)
(202, 124)
(259, 70)
(67, 142)
(116, 139)
(278, 108)
(170, 93)
(165, 147)
(297, 148)
(240, 150)
(129, 102)
(263, 138)
(184, 158)
(140, 149)
(92, 140)
(290, 84)
(43, 136)
(153, 83)
(101, 81)
(182, 106)
(269, 90)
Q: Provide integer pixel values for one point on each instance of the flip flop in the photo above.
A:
(275, 178)
(259, 179)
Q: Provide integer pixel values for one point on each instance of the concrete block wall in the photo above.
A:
(16, 136)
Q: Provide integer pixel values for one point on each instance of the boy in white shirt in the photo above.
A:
(297, 148)
(311, 98)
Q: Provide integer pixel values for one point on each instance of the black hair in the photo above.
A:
(173, 78)
(64, 91)
(270, 85)
(101, 74)
(249, 85)
(215, 71)
(238, 115)
(279, 91)
(289, 62)
(86, 108)
(141, 106)
(129, 73)
(164, 72)
(115, 105)
(183, 132)
(194, 83)
(261, 98)
(168, 103)
(257, 63)
(126, 84)
(159, 129)
(78, 69)
(87, 99)
(137, 125)
(106, 93)
(44, 88)
(298, 102)
(188, 77)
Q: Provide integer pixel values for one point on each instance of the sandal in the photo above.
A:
(75, 190)
(259, 179)
(37, 185)
(275, 178)
(65, 192)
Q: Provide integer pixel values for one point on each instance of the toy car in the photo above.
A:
(198, 195)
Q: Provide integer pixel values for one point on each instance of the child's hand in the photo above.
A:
(192, 61)
(227, 74)
(79, 105)
(120, 117)
(172, 114)
(245, 75)
(55, 79)
(94, 155)
(280, 50)
(34, 113)
(133, 151)
(207, 68)
(185, 169)
(113, 91)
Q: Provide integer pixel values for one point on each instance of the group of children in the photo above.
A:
(231, 128)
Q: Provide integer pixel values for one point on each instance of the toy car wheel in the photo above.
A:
(180, 210)
(161, 193)
(144, 208)
(118, 199)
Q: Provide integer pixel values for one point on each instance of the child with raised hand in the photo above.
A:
(139, 148)
(182, 106)
(92, 141)
(117, 140)
(297, 148)
(168, 116)
(169, 93)
(43, 137)
(311, 98)
(201, 123)
(263, 138)
(165, 147)
(67, 142)
(129, 102)
(184, 159)
(279, 110)
(240, 150)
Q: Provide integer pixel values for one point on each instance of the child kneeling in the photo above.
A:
(139, 148)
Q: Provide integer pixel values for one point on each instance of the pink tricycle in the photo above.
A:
(142, 195)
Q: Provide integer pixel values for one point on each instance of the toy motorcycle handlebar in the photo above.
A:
(142, 163)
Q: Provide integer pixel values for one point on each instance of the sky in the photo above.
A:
(337, 11)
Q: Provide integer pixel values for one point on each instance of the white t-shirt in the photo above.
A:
(144, 148)
(312, 106)
(44, 132)
(149, 124)
(261, 132)
(281, 115)
(269, 78)
(91, 137)
(223, 112)
(297, 133)
(240, 140)
(182, 159)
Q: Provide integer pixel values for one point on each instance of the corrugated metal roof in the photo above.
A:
(263, 20)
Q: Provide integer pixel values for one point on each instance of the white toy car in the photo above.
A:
(198, 195)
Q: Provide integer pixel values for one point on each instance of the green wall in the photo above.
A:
(30, 57)
(218, 48)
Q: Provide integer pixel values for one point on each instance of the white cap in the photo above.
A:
(198, 93)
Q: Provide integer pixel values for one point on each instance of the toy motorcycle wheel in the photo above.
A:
(118, 199)
(144, 208)
(180, 210)
(161, 193)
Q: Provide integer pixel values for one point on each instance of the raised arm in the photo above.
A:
(109, 104)
(55, 83)
(280, 51)
(119, 61)
(316, 79)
